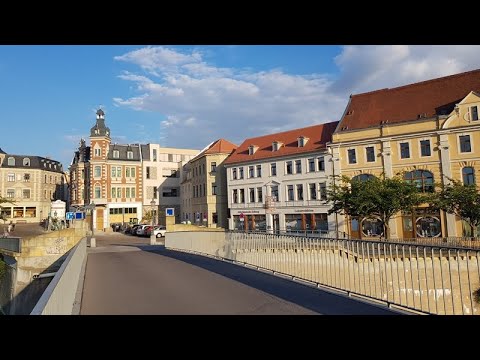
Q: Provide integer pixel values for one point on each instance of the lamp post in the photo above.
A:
(92, 209)
(152, 234)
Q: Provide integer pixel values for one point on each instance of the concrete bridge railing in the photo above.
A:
(431, 279)
(59, 297)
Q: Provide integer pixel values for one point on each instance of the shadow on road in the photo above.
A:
(314, 299)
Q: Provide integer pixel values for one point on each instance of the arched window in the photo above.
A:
(11, 161)
(363, 177)
(423, 179)
(468, 174)
(26, 162)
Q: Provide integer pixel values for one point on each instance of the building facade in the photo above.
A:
(427, 132)
(162, 168)
(204, 188)
(278, 182)
(31, 183)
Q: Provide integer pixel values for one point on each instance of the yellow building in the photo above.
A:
(204, 186)
(428, 132)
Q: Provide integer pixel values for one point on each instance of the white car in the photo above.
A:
(159, 231)
(141, 230)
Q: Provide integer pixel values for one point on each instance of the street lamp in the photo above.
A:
(91, 207)
(152, 233)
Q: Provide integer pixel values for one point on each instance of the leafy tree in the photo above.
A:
(2, 213)
(461, 200)
(376, 197)
(147, 216)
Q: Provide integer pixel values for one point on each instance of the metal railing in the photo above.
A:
(434, 279)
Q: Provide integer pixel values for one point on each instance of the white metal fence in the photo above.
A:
(435, 279)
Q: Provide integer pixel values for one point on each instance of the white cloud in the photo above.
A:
(201, 102)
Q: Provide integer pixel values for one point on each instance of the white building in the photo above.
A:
(161, 178)
(278, 182)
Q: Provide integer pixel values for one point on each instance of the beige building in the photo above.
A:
(162, 175)
(31, 183)
(204, 186)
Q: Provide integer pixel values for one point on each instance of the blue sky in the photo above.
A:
(188, 96)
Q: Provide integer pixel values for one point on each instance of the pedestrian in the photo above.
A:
(9, 227)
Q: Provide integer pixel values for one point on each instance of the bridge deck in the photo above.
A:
(125, 275)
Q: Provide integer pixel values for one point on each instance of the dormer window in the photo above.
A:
(276, 145)
(302, 140)
(116, 154)
(129, 154)
(252, 149)
(26, 162)
(11, 161)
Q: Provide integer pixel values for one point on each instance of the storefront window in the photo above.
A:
(237, 224)
(293, 222)
(321, 222)
(428, 226)
(372, 227)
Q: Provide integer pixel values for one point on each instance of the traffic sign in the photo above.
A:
(70, 215)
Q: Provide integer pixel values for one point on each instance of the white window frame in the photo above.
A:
(400, 149)
(348, 157)
(374, 154)
(420, 148)
(471, 143)
(116, 154)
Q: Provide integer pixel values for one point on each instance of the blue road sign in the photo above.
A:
(170, 211)
(70, 216)
(79, 215)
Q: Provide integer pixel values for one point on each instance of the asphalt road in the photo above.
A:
(124, 275)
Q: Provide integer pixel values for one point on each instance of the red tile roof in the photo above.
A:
(318, 136)
(220, 146)
(410, 102)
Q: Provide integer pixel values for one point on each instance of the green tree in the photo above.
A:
(376, 197)
(461, 200)
(147, 216)
(2, 213)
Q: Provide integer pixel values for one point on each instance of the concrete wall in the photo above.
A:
(59, 297)
(431, 281)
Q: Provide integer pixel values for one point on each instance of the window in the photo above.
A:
(289, 167)
(251, 172)
(370, 153)
(251, 150)
(313, 191)
(214, 189)
(98, 152)
(352, 157)
(273, 169)
(148, 172)
(321, 163)
(45, 179)
(132, 172)
(290, 195)
(26, 162)
(298, 166)
(465, 145)
(405, 150)
(259, 194)
(132, 192)
(425, 148)
(203, 168)
(274, 192)
(129, 154)
(213, 167)
(240, 172)
(323, 191)
(173, 192)
(259, 170)
(234, 173)
(127, 172)
(11, 177)
(299, 191)
(97, 192)
(301, 141)
(155, 191)
(26, 177)
(363, 177)
(242, 195)
(468, 174)
(251, 194)
(97, 171)
(11, 193)
(11, 161)
(423, 179)
(114, 172)
(154, 154)
(127, 192)
(116, 154)
(474, 113)
(114, 192)
(82, 174)
(275, 146)
(170, 157)
(311, 165)
(235, 196)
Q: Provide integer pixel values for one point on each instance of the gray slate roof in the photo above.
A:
(36, 162)
(122, 149)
